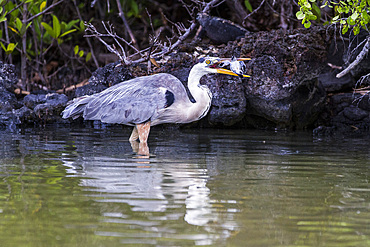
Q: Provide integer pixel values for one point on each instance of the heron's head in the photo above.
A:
(219, 65)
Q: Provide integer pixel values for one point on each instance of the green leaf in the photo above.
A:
(13, 29)
(42, 6)
(11, 46)
(365, 16)
(2, 45)
(350, 21)
(316, 11)
(88, 57)
(135, 8)
(354, 16)
(82, 26)
(335, 18)
(18, 24)
(68, 32)
(307, 5)
(3, 18)
(300, 15)
(81, 53)
(70, 24)
(76, 49)
(248, 5)
(307, 24)
(56, 26)
(48, 29)
(312, 17)
(345, 29)
(356, 30)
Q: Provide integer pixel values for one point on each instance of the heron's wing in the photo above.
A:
(134, 110)
(134, 101)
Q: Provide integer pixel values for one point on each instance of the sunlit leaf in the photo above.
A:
(81, 53)
(354, 16)
(300, 15)
(56, 26)
(13, 29)
(88, 57)
(68, 32)
(42, 6)
(76, 49)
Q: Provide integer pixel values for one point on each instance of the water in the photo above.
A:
(85, 187)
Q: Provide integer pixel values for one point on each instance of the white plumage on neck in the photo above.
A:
(200, 93)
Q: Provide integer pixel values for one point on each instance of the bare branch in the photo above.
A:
(358, 59)
(44, 11)
(156, 48)
(128, 29)
(96, 34)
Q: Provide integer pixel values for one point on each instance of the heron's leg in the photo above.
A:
(143, 131)
(134, 135)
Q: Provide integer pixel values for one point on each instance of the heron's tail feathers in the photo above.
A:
(76, 107)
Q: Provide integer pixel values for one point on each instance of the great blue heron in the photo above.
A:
(150, 100)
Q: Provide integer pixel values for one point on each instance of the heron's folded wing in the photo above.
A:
(134, 110)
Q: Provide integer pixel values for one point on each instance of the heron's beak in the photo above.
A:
(229, 72)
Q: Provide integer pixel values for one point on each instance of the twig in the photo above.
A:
(44, 11)
(128, 29)
(165, 48)
(358, 59)
(254, 11)
(98, 35)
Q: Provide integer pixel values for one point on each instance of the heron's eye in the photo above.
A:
(208, 62)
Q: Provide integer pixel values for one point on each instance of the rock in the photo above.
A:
(355, 114)
(347, 113)
(8, 77)
(33, 100)
(8, 101)
(323, 131)
(333, 84)
(284, 90)
(219, 30)
(103, 78)
(228, 103)
(52, 105)
(12, 119)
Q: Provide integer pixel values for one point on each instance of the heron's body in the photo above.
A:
(149, 100)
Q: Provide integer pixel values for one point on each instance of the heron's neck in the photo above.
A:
(197, 91)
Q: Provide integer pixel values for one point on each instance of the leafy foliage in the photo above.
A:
(350, 14)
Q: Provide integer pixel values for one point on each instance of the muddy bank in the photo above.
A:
(291, 86)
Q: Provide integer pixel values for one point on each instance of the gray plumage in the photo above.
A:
(131, 102)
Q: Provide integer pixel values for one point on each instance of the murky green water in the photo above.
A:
(84, 187)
